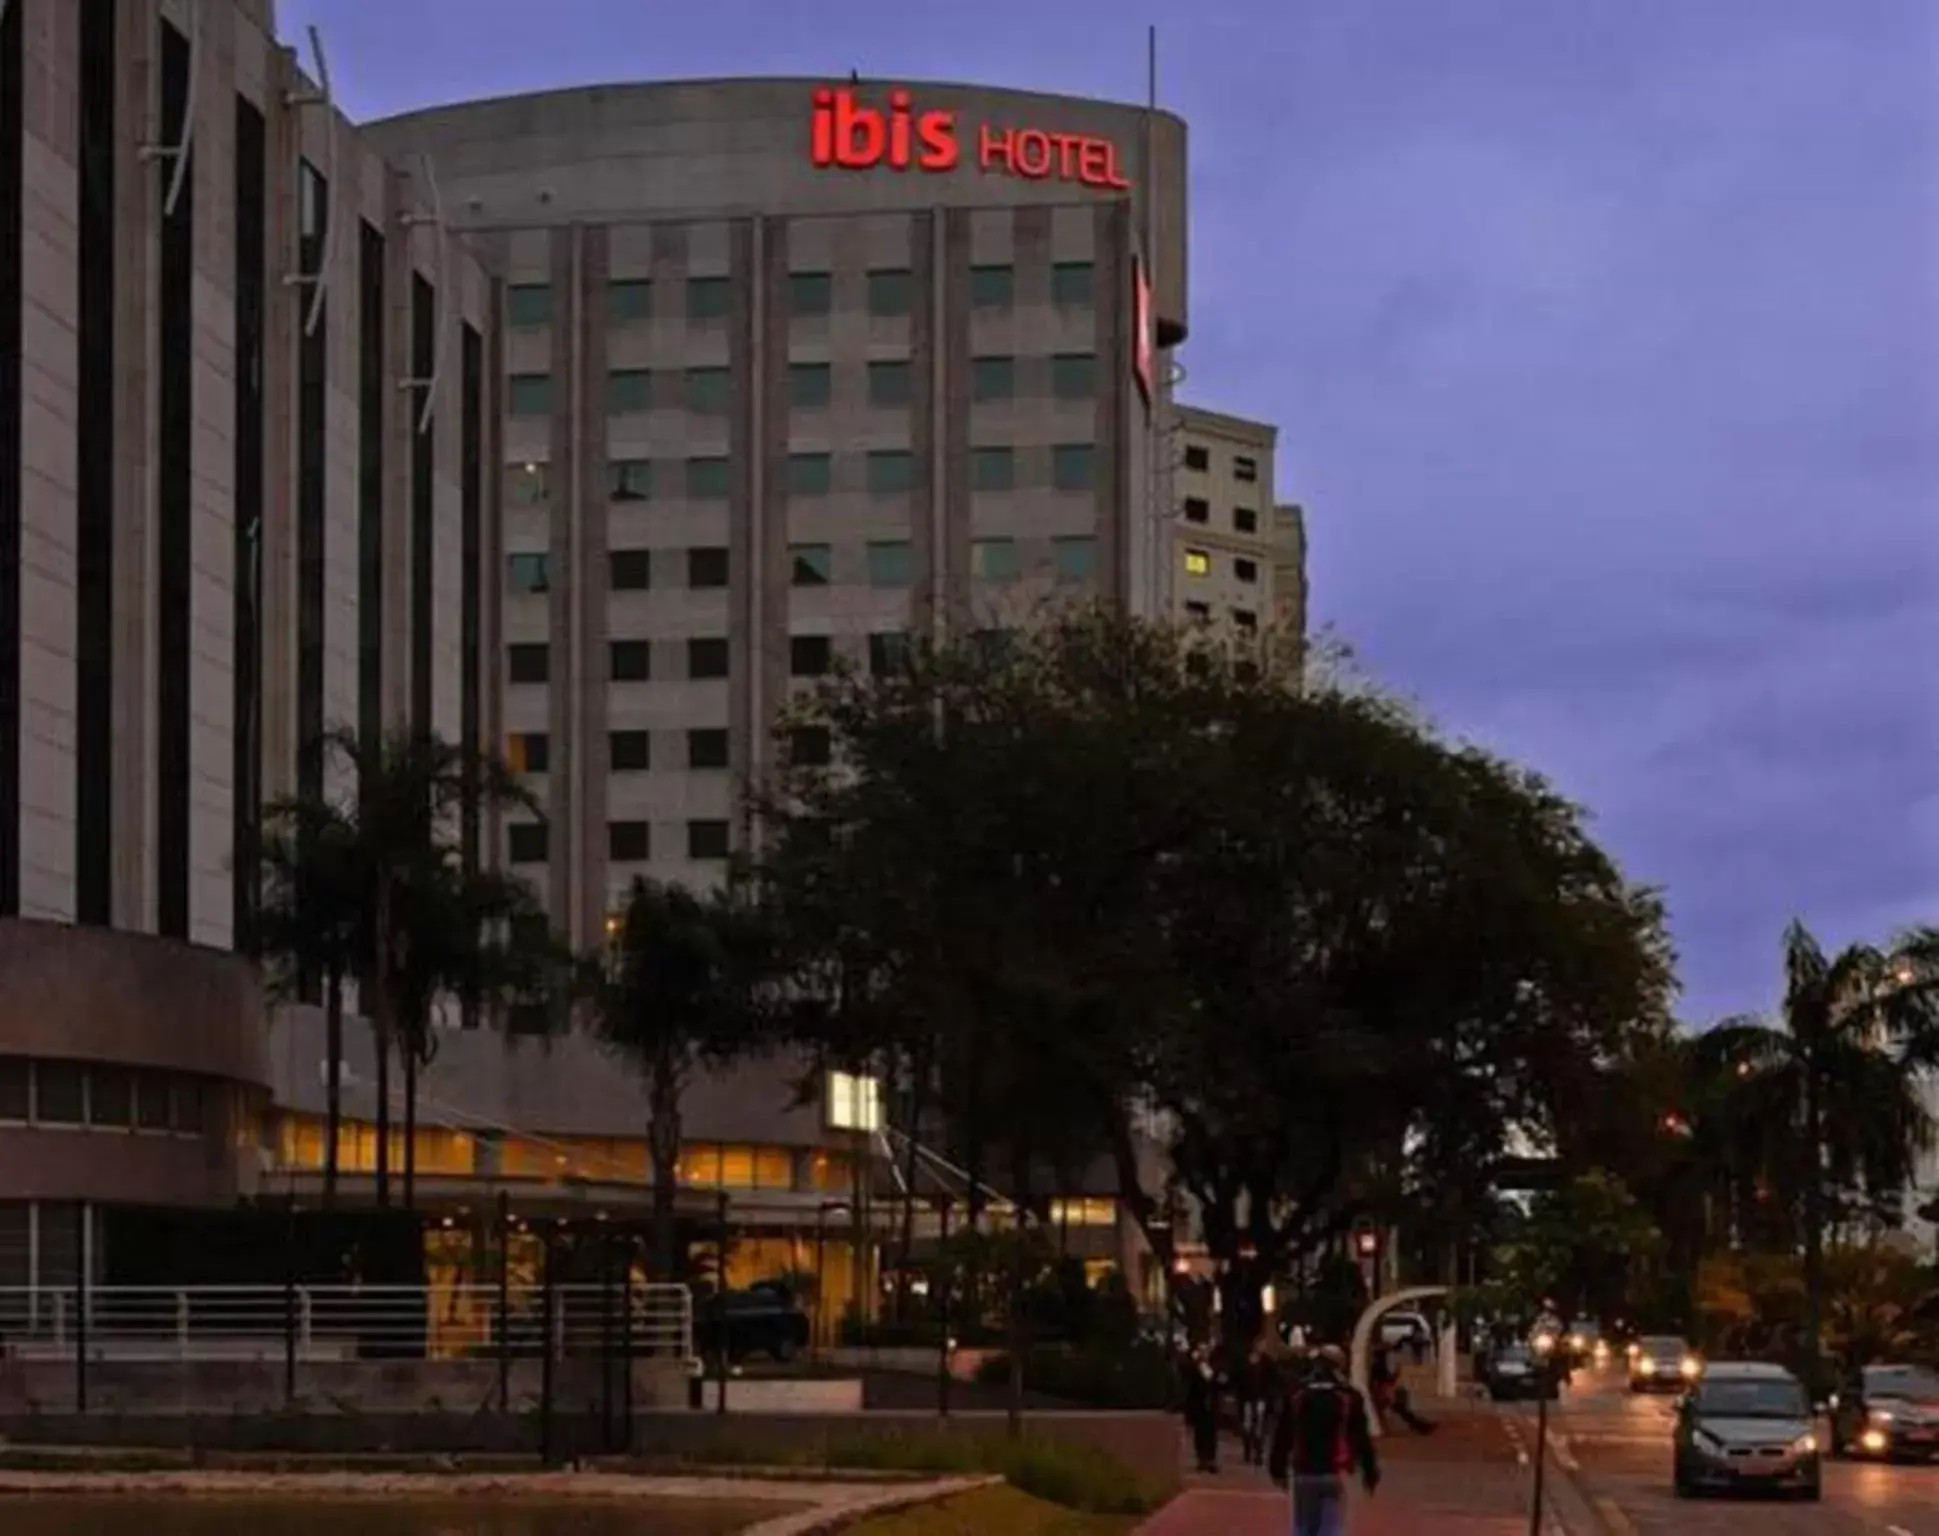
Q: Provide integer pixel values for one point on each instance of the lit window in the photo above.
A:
(1197, 563)
(854, 1102)
(529, 752)
(528, 305)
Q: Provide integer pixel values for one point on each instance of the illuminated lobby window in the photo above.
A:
(1084, 1212)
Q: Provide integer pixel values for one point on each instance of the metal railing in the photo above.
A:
(469, 1321)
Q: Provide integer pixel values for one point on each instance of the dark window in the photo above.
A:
(813, 564)
(889, 651)
(891, 562)
(707, 748)
(251, 329)
(629, 751)
(809, 746)
(1070, 283)
(707, 567)
(528, 485)
(707, 657)
(424, 530)
(1073, 466)
(631, 570)
(628, 842)
(1245, 519)
(709, 391)
(529, 394)
(1245, 570)
(526, 842)
(1073, 376)
(810, 655)
(810, 385)
(1245, 619)
(1074, 557)
(631, 660)
(993, 469)
(1197, 510)
(707, 840)
(992, 287)
(629, 479)
(890, 471)
(528, 663)
(111, 1097)
(1197, 458)
(706, 479)
(1244, 469)
(629, 391)
(707, 298)
(16, 1093)
(528, 572)
(628, 300)
(810, 474)
(528, 306)
(890, 383)
(154, 1108)
(891, 290)
(190, 1099)
(810, 293)
(60, 1093)
(529, 752)
(993, 378)
(1199, 613)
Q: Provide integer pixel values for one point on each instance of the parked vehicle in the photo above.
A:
(1887, 1411)
(1515, 1371)
(1662, 1362)
(1747, 1425)
(764, 1319)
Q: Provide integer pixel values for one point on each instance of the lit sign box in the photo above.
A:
(1142, 360)
(850, 135)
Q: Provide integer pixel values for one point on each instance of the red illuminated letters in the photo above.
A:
(847, 134)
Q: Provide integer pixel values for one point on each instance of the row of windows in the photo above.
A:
(1198, 562)
(530, 752)
(1244, 619)
(40, 1092)
(1245, 468)
(627, 842)
(707, 659)
(887, 472)
(1073, 559)
(1199, 510)
(891, 293)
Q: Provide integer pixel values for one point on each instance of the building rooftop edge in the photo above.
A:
(1225, 421)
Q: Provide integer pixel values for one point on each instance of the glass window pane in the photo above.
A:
(629, 299)
(709, 390)
(810, 385)
(58, 1094)
(813, 564)
(1075, 557)
(707, 840)
(528, 752)
(14, 1091)
(707, 298)
(630, 661)
(993, 559)
(810, 474)
(1070, 283)
(889, 651)
(1072, 466)
(707, 748)
(528, 305)
(628, 391)
(530, 394)
(706, 479)
(707, 567)
(111, 1098)
(707, 657)
(628, 841)
(1197, 563)
(528, 572)
(192, 1099)
(629, 751)
(527, 663)
(993, 378)
(891, 562)
(630, 570)
(890, 471)
(890, 291)
(890, 383)
(810, 293)
(527, 485)
(154, 1109)
(992, 287)
(810, 655)
(525, 842)
(993, 469)
(629, 479)
(1073, 376)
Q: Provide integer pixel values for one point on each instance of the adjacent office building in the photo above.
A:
(1238, 561)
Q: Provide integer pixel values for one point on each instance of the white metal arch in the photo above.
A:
(1370, 1320)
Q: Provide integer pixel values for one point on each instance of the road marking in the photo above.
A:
(1619, 1522)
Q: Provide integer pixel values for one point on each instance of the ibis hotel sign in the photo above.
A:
(850, 135)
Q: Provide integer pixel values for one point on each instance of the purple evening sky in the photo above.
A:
(1602, 343)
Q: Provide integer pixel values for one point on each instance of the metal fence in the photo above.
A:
(346, 1322)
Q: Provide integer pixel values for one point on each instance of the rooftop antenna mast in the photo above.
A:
(1155, 519)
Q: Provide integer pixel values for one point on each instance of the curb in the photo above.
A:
(1573, 1503)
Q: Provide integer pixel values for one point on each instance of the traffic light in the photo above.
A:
(1366, 1243)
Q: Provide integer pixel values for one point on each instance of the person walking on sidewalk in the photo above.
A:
(1201, 1392)
(1320, 1440)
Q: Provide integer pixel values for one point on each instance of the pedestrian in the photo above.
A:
(1390, 1396)
(1253, 1390)
(1201, 1392)
(1321, 1439)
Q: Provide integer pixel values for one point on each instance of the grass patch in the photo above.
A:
(984, 1510)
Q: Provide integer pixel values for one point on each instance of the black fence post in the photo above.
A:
(548, 1315)
(626, 1337)
(606, 1341)
(289, 1314)
(81, 1257)
(945, 1274)
(720, 1299)
(504, 1329)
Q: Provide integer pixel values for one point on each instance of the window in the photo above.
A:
(1197, 458)
(810, 474)
(1070, 283)
(629, 479)
(888, 651)
(528, 663)
(707, 657)
(1072, 466)
(993, 469)
(530, 394)
(629, 570)
(1197, 563)
(528, 572)
(60, 1093)
(1073, 375)
(706, 479)
(528, 305)
(1199, 613)
(810, 385)
(628, 300)
(111, 1097)
(890, 383)
(707, 298)
(993, 378)
(890, 470)
(706, 839)
(810, 655)
(709, 390)
(992, 287)
(527, 485)
(630, 661)
(1245, 570)
(15, 1091)
(526, 842)
(813, 564)
(891, 563)
(629, 751)
(152, 1109)
(628, 391)
(1245, 619)
(809, 746)
(707, 748)
(810, 293)
(890, 291)
(1244, 469)
(1245, 519)
(853, 1103)
(1084, 1212)
(191, 1104)
(528, 752)
(707, 568)
(1197, 510)
(993, 559)
(1074, 557)
(628, 842)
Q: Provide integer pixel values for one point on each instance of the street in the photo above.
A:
(1622, 1445)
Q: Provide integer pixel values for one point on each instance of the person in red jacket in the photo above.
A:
(1321, 1438)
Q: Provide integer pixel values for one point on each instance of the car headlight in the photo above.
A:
(1577, 1341)
(1880, 1415)
(1543, 1343)
(1703, 1440)
(1804, 1445)
(1692, 1367)
(1646, 1366)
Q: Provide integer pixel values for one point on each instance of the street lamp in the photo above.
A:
(1544, 1345)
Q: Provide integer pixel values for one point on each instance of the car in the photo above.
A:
(1398, 1328)
(1516, 1371)
(1584, 1343)
(1887, 1411)
(1746, 1424)
(764, 1319)
(1662, 1362)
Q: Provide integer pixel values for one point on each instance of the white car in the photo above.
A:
(1396, 1328)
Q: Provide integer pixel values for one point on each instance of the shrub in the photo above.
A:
(1129, 1377)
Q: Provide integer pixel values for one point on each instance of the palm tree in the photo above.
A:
(681, 987)
(1830, 1095)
